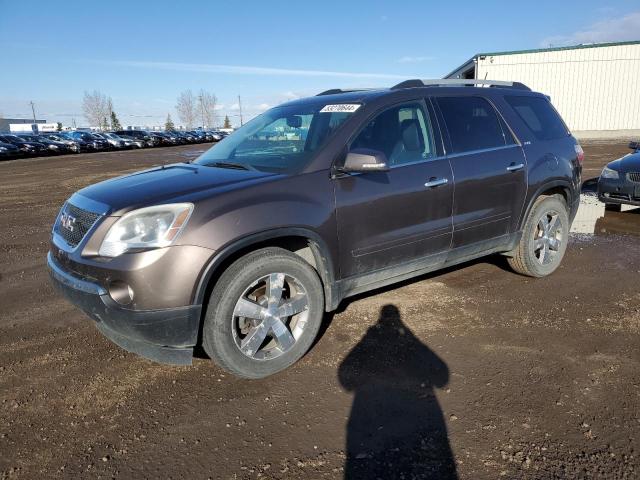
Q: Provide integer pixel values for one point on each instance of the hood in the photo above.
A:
(180, 182)
(628, 163)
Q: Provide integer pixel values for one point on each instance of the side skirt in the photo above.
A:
(350, 286)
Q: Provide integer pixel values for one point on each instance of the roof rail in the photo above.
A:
(461, 82)
(333, 91)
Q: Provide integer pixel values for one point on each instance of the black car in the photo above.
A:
(25, 146)
(54, 146)
(183, 137)
(132, 142)
(97, 143)
(141, 135)
(72, 145)
(619, 182)
(162, 140)
(243, 250)
(77, 144)
(8, 150)
(174, 137)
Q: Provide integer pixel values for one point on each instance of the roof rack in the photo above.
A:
(333, 91)
(459, 82)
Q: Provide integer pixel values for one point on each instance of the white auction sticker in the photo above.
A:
(340, 108)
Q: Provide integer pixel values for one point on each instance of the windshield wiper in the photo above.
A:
(235, 166)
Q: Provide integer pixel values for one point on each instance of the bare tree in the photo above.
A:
(95, 106)
(207, 108)
(186, 108)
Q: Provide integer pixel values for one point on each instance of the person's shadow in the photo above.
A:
(396, 428)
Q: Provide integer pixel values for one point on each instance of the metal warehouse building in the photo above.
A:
(595, 87)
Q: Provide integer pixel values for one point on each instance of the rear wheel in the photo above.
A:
(544, 238)
(264, 313)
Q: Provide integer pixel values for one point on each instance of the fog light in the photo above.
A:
(121, 292)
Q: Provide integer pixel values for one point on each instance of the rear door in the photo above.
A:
(489, 168)
(391, 218)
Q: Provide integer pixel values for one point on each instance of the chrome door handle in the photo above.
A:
(515, 168)
(436, 182)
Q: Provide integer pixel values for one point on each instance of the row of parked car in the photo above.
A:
(28, 144)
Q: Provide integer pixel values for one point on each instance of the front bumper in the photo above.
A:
(165, 336)
(621, 191)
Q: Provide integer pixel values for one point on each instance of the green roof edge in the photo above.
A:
(538, 50)
(556, 49)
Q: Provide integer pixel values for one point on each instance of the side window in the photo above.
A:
(539, 115)
(402, 132)
(472, 123)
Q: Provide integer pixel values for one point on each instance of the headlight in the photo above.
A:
(609, 173)
(151, 227)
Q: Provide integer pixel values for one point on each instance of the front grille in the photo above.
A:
(74, 223)
(634, 177)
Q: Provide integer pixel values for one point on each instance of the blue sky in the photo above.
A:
(143, 53)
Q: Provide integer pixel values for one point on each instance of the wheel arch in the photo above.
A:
(556, 187)
(306, 243)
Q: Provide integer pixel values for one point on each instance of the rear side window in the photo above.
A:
(540, 116)
(472, 123)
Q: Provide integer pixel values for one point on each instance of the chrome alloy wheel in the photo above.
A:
(270, 316)
(548, 237)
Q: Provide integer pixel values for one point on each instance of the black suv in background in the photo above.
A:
(313, 201)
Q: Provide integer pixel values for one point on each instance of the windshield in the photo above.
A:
(282, 139)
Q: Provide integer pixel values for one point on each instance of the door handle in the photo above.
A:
(435, 182)
(515, 168)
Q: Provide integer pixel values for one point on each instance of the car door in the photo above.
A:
(391, 218)
(489, 168)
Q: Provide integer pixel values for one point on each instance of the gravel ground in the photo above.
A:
(473, 371)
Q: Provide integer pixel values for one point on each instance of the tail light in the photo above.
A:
(579, 154)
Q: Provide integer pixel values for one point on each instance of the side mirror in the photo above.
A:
(634, 145)
(365, 160)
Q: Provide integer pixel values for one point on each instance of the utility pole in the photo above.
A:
(240, 108)
(201, 108)
(33, 110)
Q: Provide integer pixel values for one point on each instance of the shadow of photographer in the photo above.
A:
(396, 428)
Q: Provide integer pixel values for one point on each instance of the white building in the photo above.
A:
(595, 87)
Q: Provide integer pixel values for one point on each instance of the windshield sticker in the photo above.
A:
(340, 108)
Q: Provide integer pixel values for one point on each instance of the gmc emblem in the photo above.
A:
(68, 221)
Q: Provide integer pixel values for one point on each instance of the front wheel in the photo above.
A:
(544, 238)
(264, 313)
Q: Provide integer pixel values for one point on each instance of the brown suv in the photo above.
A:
(244, 249)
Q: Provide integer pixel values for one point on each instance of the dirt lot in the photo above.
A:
(473, 370)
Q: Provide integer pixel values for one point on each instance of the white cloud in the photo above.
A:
(618, 29)
(263, 106)
(246, 70)
(409, 59)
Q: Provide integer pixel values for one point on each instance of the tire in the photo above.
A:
(251, 287)
(540, 252)
(613, 207)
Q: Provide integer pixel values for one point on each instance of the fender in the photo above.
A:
(322, 257)
(544, 187)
